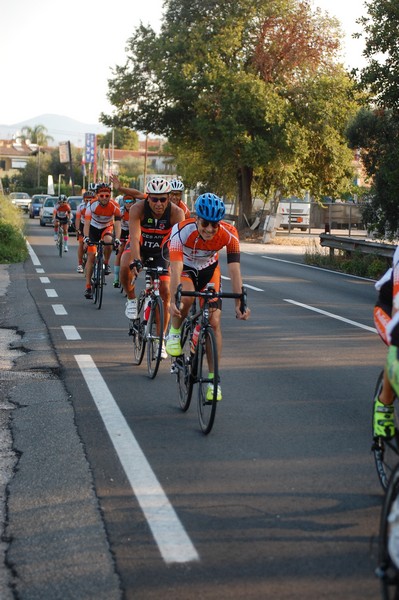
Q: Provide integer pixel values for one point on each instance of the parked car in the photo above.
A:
(74, 202)
(36, 204)
(21, 199)
(46, 211)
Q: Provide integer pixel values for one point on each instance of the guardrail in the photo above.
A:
(349, 245)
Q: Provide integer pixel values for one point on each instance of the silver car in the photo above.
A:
(46, 211)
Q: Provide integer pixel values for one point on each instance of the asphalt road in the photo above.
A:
(281, 500)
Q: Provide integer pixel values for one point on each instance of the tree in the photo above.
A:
(37, 135)
(123, 139)
(376, 127)
(225, 80)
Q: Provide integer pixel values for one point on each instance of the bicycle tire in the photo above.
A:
(137, 331)
(387, 571)
(95, 281)
(154, 336)
(182, 368)
(206, 408)
(101, 281)
(60, 244)
(385, 452)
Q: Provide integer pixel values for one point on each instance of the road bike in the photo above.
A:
(199, 354)
(147, 329)
(385, 451)
(98, 275)
(60, 241)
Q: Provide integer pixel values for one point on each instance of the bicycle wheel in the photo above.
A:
(101, 282)
(137, 331)
(207, 408)
(154, 336)
(95, 280)
(60, 244)
(182, 367)
(385, 452)
(387, 570)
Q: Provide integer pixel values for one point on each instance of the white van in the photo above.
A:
(295, 212)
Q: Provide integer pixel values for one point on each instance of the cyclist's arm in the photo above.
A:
(86, 226)
(135, 215)
(176, 268)
(236, 285)
(125, 190)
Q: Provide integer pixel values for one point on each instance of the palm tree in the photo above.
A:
(37, 135)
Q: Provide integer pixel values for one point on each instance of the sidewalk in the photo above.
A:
(56, 544)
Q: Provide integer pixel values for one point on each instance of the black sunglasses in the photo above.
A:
(157, 199)
(206, 223)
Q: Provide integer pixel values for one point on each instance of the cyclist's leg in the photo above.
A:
(65, 231)
(384, 423)
(94, 235)
(173, 345)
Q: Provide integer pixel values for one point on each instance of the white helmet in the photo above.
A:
(158, 185)
(177, 185)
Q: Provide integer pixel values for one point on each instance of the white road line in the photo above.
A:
(293, 262)
(51, 293)
(173, 542)
(252, 287)
(39, 270)
(32, 254)
(44, 279)
(328, 314)
(71, 333)
(59, 309)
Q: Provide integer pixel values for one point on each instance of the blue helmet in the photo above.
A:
(210, 207)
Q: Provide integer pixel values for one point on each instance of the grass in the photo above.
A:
(371, 266)
(12, 240)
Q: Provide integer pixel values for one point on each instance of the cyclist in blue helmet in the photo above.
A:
(194, 262)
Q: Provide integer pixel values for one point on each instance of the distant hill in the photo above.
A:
(60, 128)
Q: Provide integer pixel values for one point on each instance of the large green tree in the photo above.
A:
(376, 127)
(227, 82)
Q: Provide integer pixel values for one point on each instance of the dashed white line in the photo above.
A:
(44, 279)
(252, 287)
(331, 315)
(51, 293)
(32, 254)
(173, 542)
(71, 333)
(59, 309)
(39, 270)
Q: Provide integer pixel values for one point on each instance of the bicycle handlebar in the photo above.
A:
(210, 293)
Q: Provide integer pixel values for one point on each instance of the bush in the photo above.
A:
(12, 241)
(362, 265)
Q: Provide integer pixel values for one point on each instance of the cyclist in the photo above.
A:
(101, 216)
(176, 193)
(386, 318)
(125, 202)
(150, 222)
(79, 222)
(62, 217)
(194, 261)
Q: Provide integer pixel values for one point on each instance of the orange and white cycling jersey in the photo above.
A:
(100, 216)
(185, 209)
(61, 211)
(187, 245)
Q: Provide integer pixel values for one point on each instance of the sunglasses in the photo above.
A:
(104, 195)
(157, 199)
(207, 223)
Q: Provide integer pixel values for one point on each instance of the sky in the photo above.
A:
(57, 56)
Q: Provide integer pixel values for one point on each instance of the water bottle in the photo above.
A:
(194, 338)
(147, 308)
